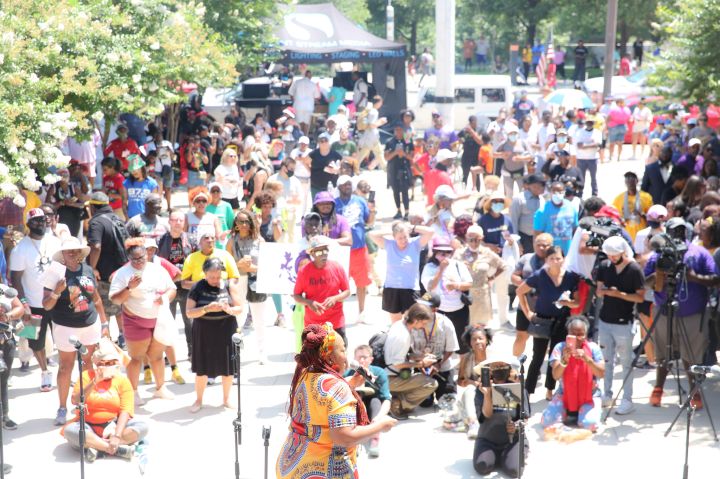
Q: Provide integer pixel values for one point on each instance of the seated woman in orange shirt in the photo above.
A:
(110, 427)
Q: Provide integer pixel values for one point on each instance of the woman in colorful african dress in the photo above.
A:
(328, 419)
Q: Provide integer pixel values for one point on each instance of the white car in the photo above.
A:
(479, 95)
(624, 86)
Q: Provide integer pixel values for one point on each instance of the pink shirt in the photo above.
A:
(618, 116)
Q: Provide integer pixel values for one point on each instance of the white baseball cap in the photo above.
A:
(445, 154)
(304, 140)
(445, 191)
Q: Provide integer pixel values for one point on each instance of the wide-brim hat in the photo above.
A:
(494, 357)
(69, 244)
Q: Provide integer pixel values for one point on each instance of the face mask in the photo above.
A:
(561, 140)
(512, 137)
(38, 229)
(557, 198)
(654, 224)
(290, 173)
(108, 372)
(497, 207)
(589, 128)
(441, 167)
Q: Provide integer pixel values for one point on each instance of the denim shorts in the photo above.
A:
(616, 134)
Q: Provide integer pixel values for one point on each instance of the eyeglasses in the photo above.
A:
(201, 200)
(474, 240)
(138, 259)
(215, 192)
(441, 253)
(243, 222)
(112, 362)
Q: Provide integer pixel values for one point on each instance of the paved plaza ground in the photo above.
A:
(184, 445)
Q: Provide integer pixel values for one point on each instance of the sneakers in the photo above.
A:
(607, 400)
(24, 367)
(696, 401)
(147, 378)
(177, 377)
(138, 400)
(626, 407)
(61, 416)
(9, 424)
(46, 381)
(398, 215)
(656, 396)
(473, 430)
(211, 381)
(125, 451)
(396, 410)
(361, 318)
(280, 321)
(163, 393)
(248, 322)
(195, 407)
(90, 455)
(121, 341)
(373, 449)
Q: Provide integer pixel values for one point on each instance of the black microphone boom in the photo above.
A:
(77, 345)
(522, 358)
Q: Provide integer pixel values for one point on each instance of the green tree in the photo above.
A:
(690, 59)
(523, 15)
(414, 22)
(355, 10)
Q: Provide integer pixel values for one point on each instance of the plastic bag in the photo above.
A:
(165, 331)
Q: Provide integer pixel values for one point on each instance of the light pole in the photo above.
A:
(610, 33)
(445, 57)
(390, 21)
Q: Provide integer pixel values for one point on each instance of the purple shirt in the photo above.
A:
(446, 135)
(692, 297)
(340, 227)
(693, 167)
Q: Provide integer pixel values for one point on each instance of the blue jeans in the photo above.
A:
(616, 339)
(589, 165)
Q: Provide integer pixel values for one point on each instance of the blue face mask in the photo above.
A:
(497, 207)
(513, 137)
(557, 198)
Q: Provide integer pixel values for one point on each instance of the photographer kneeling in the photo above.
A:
(497, 443)
(621, 282)
(689, 330)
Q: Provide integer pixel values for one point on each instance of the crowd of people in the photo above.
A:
(525, 258)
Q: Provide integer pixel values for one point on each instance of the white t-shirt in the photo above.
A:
(164, 155)
(230, 181)
(291, 187)
(301, 171)
(582, 135)
(304, 93)
(33, 257)
(642, 117)
(543, 133)
(141, 301)
(579, 263)
(455, 272)
(198, 226)
(397, 345)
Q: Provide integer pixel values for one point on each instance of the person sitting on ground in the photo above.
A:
(477, 339)
(577, 368)
(375, 392)
(408, 388)
(110, 428)
(497, 443)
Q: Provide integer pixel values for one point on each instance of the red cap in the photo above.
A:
(608, 211)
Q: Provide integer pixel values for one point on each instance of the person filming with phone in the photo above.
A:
(497, 442)
(576, 363)
(621, 284)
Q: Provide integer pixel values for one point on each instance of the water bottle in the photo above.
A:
(331, 188)
(141, 452)
(563, 297)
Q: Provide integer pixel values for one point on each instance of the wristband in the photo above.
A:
(563, 364)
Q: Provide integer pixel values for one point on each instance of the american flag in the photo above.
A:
(542, 68)
(551, 68)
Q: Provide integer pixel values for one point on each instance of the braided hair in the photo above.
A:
(310, 360)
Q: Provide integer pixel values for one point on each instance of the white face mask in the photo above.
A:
(561, 140)
(557, 198)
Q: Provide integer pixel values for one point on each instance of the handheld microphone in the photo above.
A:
(237, 339)
(361, 371)
(522, 358)
(77, 344)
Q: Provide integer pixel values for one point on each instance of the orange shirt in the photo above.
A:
(107, 399)
(485, 157)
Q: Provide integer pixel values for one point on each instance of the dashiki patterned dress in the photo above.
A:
(322, 401)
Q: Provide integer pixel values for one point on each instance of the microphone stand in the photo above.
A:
(266, 437)
(81, 411)
(3, 368)
(237, 422)
(521, 420)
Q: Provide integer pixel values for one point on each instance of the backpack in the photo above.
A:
(120, 235)
(377, 344)
(372, 91)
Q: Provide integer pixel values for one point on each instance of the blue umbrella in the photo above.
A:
(570, 98)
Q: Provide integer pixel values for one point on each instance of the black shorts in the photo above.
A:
(234, 202)
(39, 343)
(521, 321)
(397, 300)
(644, 308)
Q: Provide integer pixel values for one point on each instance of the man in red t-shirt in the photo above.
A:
(122, 147)
(438, 175)
(322, 286)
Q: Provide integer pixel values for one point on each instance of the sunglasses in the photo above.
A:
(202, 200)
(112, 362)
(138, 259)
(441, 253)
(320, 252)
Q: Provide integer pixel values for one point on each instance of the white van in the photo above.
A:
(479, 95)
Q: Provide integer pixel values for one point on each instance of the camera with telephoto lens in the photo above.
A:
(670, 252)
(602, 229)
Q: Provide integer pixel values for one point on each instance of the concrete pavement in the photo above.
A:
(185, 445)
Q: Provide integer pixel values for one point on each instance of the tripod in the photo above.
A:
(237, 340)
(520, 423)
(3, 369)
(80, 350)
(668, 310)
(266, 438)
(700, 374)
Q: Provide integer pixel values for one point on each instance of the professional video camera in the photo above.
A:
(602, 229)
(670, 252)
